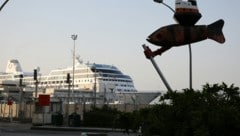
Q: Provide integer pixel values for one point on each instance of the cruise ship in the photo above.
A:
(87, 76)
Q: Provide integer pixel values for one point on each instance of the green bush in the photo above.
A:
(103, 117)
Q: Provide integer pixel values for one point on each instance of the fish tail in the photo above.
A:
(215, 31)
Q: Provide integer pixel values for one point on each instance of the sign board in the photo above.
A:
(10, 102)
(44, 100)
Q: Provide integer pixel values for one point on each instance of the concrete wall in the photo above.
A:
(7, 111)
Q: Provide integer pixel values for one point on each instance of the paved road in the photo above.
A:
(20, 129)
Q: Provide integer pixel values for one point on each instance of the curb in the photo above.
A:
(83, 129)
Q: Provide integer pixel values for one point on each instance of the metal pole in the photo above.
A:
(74, 37)
(68, 99)
(158, 71)
(169, 7)
(20, 113)
(161, 2)
(36, 89)
(3, 4)
(104, 95)
(36, 94)
(190, 66)
(35, 77)
(95, 85)
(73, 68)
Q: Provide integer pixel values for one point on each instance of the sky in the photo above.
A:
(38, 33)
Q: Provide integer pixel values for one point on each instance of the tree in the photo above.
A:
(213, 111)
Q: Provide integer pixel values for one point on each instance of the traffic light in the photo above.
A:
(20, 79)
(35, 74)
(68, 78)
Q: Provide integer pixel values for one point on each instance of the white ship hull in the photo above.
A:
(106, 78)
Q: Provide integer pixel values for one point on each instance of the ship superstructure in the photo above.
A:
(86, 76)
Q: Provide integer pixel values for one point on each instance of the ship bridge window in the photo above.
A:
(116, 76)
(106, 71)
(18, 76)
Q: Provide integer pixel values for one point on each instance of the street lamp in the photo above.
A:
(74, 37)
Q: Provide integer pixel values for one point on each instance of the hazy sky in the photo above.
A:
(38, 33)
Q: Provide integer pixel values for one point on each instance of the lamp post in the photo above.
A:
(189, 46)
(74, 37)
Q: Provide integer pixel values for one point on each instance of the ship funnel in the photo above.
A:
(13, 67)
